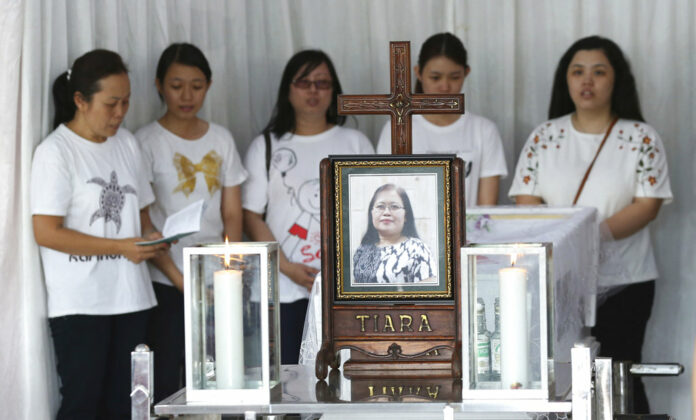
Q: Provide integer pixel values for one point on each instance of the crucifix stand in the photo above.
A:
(400, 103)
(410, 353)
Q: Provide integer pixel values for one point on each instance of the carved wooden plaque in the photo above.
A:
(392, 389)
(406, 339)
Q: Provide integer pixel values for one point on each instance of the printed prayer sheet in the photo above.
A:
(185, 222)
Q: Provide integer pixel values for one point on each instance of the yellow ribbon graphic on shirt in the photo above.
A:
(186, 170)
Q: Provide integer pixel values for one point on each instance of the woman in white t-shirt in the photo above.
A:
(595, 117)
(281, 196)
(88, 194)
(187, 159)
(442, 68)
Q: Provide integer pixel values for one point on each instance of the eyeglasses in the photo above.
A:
(382, 207)
(304, 84)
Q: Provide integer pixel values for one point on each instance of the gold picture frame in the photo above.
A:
(393, 227)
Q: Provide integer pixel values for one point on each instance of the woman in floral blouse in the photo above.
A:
(595, 121)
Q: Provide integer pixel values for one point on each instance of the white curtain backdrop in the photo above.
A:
(513, 48)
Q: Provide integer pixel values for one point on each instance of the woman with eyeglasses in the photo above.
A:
(442, 68)
(281, 196)
(390, 250)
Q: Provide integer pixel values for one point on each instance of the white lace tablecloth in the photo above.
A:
(575, 237)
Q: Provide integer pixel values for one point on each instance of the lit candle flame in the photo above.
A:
(513, 259)
(227, 257)
(227, 252)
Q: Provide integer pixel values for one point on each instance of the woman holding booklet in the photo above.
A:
(89, 199)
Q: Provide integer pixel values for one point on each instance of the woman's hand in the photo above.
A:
(163, 261)
(258, 230)
(300, 273)
(138, 253)
(50, 232)
(633, 217)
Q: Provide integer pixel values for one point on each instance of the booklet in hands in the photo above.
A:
(182, 223)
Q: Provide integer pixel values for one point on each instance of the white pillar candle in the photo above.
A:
(513, 327)
(229, 333)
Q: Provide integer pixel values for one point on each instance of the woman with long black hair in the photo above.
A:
(597, 151)
(281, 196)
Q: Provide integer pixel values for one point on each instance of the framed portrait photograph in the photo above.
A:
(393, 227)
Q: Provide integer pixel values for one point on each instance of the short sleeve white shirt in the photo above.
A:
(289, 192)
(184, 171)
(473, 138)
(98, 189)
(631, 164)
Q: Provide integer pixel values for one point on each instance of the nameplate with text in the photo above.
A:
(377, 322)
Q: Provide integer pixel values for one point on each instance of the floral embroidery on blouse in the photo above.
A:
(639, 140)
(544, 138)
(634, 138)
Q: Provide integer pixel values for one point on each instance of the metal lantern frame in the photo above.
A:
(194, 293)
(543, 252)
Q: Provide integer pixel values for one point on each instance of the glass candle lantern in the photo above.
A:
(232, 323)
(507, 322)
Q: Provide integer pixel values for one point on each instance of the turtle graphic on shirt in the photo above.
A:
(111, 200)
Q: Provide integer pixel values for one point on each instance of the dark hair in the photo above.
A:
(182, 53)
(442, 44)
(283, 117)
(85, 74)
(624, 97)
(371, 236)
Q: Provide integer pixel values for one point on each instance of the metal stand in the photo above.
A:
(604, 388)
(601, 389)
(142, 386)
(623, 387)
(582, 391)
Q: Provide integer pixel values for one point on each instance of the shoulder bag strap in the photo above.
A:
(267, 140)
(589, 169)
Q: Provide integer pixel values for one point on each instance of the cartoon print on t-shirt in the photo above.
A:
(186, 170)
(306, 197)
(283, 160)
(111, 200)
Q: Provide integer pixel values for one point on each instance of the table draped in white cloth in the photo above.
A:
(574, 233)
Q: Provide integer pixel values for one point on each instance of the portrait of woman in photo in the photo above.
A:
(390, 250)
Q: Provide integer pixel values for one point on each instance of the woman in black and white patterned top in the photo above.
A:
(391, 251)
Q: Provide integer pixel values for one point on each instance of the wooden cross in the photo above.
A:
(400, 103)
